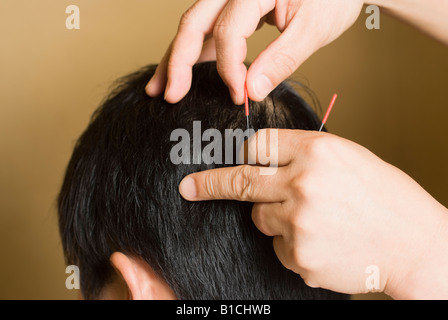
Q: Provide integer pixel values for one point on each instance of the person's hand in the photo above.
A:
(305, 27)
(334, 209)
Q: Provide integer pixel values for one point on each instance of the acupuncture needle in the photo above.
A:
(328, 111)
(246, 105)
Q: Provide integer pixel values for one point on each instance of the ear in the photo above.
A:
(137, 280)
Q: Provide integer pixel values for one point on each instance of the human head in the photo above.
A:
(120, 210)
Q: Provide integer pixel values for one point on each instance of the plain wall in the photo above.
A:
(392, 86)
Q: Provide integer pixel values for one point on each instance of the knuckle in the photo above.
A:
(297, 221)
(242, 185)
(310, 282)
(321, 145)
(301, 222)
(317, 145)
(305, 259)
(187, 18)
(301, 227)
(296, 184)
(220, 31)
(306, 185)
(296, 256)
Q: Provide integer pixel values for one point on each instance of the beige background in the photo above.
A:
(392, 99)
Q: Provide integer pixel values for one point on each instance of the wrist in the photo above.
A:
(424, 275)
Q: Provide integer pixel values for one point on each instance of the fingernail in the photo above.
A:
(262, 86)
(187, 188)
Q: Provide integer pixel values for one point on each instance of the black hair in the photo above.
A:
(120, 193)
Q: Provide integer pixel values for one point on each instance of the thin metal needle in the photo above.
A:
(321, 127)
(328, 111)
(246, 105)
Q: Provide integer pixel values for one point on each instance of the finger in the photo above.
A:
(156, 85)
(237, 22)
(273, 147)
(282, 57)
(187, 46)
(266, 218)
(185, 50)
(243, 183)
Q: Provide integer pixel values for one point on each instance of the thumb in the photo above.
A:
(278, 61)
